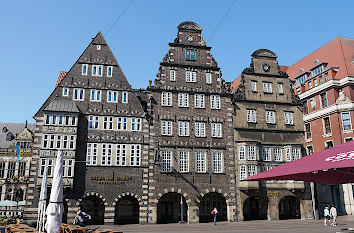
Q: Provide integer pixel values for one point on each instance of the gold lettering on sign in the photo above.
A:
(273, 194)
(111, 179)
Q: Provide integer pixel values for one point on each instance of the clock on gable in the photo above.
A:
(266, 67)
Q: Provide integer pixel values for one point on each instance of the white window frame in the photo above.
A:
(68, 167)
(289, 118)
(166, 127)
(199, 101)
(241, 152)
(218, 162)
(348, 120)
(200, 158)
(267, 154)
(278, 154)
(67, 90)
(254, 86)
(215, 102)
(125, 97)
(166, 161)
(108, 123)
(280, 88)
(98, 68)
(199, 128)
(108, 68)
(106, 155)
(251, 170)
(267, 87)
(95, 95)
(295, 153)
(183, 128)
(270, 116)
(113, 95)
(82, 69)
(243, 172)
(216, 130)
(92, 154)
(80, 94)
(288, 156)
(136, 124)
(93, 122)
(121, 154)
(191, 76)
(183, 161)
(251, 115)
(252, 152)
(208, 78)
(135, 154)
(122, 124)
(173, 75)
(166, 99)
(183, 100)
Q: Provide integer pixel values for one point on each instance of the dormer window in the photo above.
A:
(97, 70)
(9, 137)
(317, 70)
(190, 55)
(301, 80)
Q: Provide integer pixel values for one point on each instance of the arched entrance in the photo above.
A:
(169, 208)
(255, 208)
(94, 206)
(127, 211)
(289, 208)
(208, 203)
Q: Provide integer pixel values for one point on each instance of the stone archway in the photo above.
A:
(127, 210)
(169, 208)
(94, 206)
(255, 208)
(208, 202)
(289, 208)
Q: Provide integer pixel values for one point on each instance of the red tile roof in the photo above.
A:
(61, 76)
(284, 68)
(337, 53)
(235, 83)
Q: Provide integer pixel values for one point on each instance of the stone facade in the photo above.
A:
(268, 131)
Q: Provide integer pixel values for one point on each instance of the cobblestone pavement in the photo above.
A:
(262, 226)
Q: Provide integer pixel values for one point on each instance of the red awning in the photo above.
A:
(331, 166)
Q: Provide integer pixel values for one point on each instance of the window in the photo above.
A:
(51, 119)
(251, 116)
(21, 169)
(199, 129)
(254, 86)
(84, 69)
(79, 94)
(191, 76)
(310, 150)
(241, 152)
(251, 153)
(124, 97)
(315, 82)
(324, 100)
(308, 131)
(108, 122)
(183, 128)
(166, 160)
(122, 123)
(72, 140)
(109, 71)
(270, 117)
(93, 122)
(329, 144)
(183, 100)
(252, 170)
(166, 128)
(243, 172)
(278, 156)
(121, 155)
(201, 161)
(136, 124)
(288, 116)
(199, 101)
(296, 153)
(97, 70)
(92, 153)
(348, 139)
(106, 158)
(217, 162)
(183, 161)
(321, 79)
(49, 163)
(135, 155)
(190, 55)
(288, 154)
(216, 130)
(301, 80)
(310, 84)
(166, 99)
(215, 101)
(112, 96)
(65, 142)
(2, 169)
(317, 70)
(306, 107)
(11, 170)
(280, 88)
(173, 75)
(346, 121)
(266, 154)
(58, 146)
(327, 77)
(208, 78)
(96, 95)
(327, 125)
(267, 87)
(98, 47)
(68, 168)
(65, 91)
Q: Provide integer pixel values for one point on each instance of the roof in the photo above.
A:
(14, 129)
(61, 76)
(62, 106)
(337, 53)
(284, 68)
(235, 83)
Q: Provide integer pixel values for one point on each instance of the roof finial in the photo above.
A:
(26, 124)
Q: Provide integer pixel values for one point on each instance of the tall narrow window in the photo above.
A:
(217, 162)
(251, 116)
(251, 153)
(136, 124)
(267, 87)
(45, 141)
(199, 129)
(327, 125)
(308, 131)
(79, 94)
(305, 107)
(288, 154)
(11, 169)
(278, 156)
(254, 86)
(93, 122)
(173, 75)
(216, 130)
(200, 161)
(199, 101)
(166, 99)
(183, 100)
(121, 158)
(97, 70)
(65, 91)
(96, 95)
(270, 117)
(92, 153)
(208, 78)
(124, 97)
(252, 170)
(135, 154)
(324, 100)
(295, 153)
(84, 69)
(166, 161)
(183, 128)
(310, 150)
(106, 156)
(288, 116)
(190, 55)
(166, 127)
(347, 125)
(215, 101)
(109, 71)
(112, 96)
(280, 88)
(2, 169)
(191, 76)
(243, 172)
(108, 123)
(183, 161)
(241, 152)
(266, 154)
(21, 168)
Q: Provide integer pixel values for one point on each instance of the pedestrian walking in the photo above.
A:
(215, 213)
(333, 213)
(327, 216)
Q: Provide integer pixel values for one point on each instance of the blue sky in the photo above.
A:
(41, 38)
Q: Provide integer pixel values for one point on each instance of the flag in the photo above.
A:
(18, 151)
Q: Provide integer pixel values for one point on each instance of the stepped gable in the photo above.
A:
(96, 53)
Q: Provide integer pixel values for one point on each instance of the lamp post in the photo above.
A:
(181, 202)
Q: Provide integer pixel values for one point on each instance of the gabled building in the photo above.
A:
(191, 136)
(94, 116)
(324, 81)
(268, 131)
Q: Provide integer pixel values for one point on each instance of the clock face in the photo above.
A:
(266, 67)
(190, 38)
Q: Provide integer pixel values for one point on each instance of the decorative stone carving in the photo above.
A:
(189, 26)
(53, 153)
(56, 129)
(342, 98)
(313, 103)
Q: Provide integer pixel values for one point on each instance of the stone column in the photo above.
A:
(193, 214)
(306, 210)
(73, 207)
(109, 214)
(348, 200)
(273, 205)
(152, 214)
(231, 213)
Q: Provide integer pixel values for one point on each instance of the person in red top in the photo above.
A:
(215, 213)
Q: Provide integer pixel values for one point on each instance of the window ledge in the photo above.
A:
(348, 131)
(327, 135)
